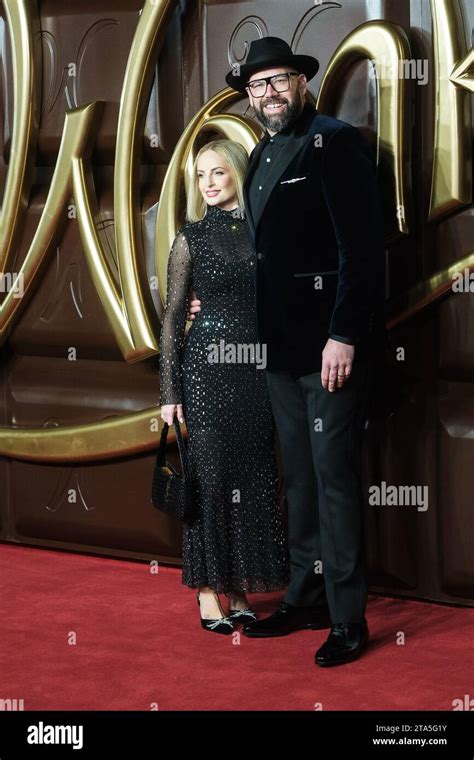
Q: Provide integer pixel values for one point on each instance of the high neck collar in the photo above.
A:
(215, 210)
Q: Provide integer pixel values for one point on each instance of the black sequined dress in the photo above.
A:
(238, 541)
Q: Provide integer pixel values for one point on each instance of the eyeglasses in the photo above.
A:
(279, 82)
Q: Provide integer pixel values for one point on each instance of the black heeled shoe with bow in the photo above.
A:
(220, 625)
(242, 616)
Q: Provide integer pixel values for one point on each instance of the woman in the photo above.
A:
(237, 543)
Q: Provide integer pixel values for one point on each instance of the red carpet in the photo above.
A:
(139, 642)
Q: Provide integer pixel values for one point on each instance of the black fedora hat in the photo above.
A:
(265, 53)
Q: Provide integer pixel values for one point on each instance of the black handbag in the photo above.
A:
(171, 492)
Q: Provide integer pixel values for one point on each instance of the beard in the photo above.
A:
(278, 122)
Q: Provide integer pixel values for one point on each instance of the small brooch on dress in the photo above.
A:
(238, 213)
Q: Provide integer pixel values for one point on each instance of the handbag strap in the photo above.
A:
(161, 455)
(181, 445)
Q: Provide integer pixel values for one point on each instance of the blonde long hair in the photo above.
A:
(236, 157)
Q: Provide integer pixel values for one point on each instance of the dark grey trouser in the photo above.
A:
(321, 436)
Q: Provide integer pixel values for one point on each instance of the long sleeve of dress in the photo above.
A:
(174, 321)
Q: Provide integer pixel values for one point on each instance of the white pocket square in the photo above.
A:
(295, 179)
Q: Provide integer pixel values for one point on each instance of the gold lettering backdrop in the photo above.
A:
(126, 299)
(127, 291)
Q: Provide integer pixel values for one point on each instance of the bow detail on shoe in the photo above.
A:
(219, 621)
(247, 613)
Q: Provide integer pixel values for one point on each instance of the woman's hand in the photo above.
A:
(168, 412)
(194, 307)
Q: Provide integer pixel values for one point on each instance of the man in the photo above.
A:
(312, 205)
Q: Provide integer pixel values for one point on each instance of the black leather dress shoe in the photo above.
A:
(287, 619)
(345, 643)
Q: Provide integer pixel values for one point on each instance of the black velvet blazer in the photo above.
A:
(319, 244)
